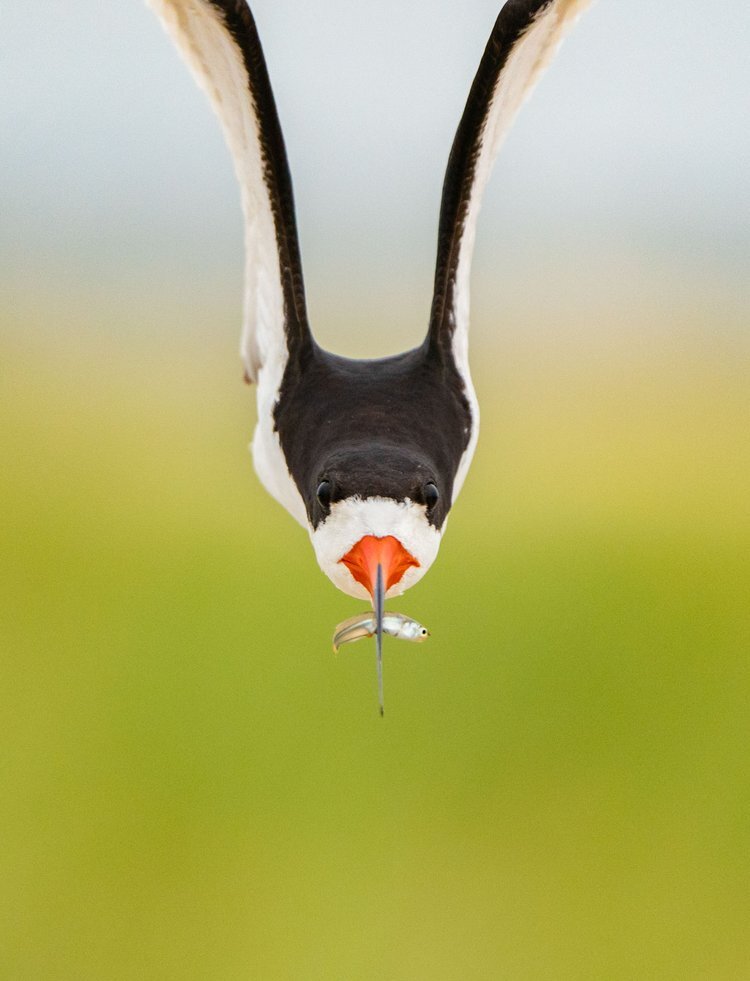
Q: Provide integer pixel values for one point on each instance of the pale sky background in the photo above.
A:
(630, 165)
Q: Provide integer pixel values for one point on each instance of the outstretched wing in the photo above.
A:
(526, 35)
(219, 41)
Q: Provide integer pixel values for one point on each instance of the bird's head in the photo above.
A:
(379, 505)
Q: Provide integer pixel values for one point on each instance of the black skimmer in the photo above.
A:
(368, 455)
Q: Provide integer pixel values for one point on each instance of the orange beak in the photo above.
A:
(363, 559)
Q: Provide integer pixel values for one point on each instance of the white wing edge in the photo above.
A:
(212, 55)
(529, 58)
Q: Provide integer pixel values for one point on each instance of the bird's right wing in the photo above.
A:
(219, 41)
(525, 38)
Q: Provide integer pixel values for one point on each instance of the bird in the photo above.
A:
(368, 455)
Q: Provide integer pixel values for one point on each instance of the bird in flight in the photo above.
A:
(368, 455)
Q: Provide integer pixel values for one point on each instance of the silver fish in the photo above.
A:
(364, 625)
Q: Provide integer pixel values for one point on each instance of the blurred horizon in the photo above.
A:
(627, 155)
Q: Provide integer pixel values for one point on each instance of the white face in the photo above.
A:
(355, 517)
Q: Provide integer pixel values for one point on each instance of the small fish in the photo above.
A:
(364, 625)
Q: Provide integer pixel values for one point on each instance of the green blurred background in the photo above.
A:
(193, 786)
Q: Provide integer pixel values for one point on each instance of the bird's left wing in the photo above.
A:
(219, 41)
(526, 35)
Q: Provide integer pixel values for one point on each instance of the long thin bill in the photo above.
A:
(379, 608)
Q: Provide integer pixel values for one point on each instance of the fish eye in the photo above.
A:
(323, 494)
(431, 495)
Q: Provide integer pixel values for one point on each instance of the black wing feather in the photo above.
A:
(278, 179)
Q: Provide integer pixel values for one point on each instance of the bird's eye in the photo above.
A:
(323, 493)
(431, 496)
